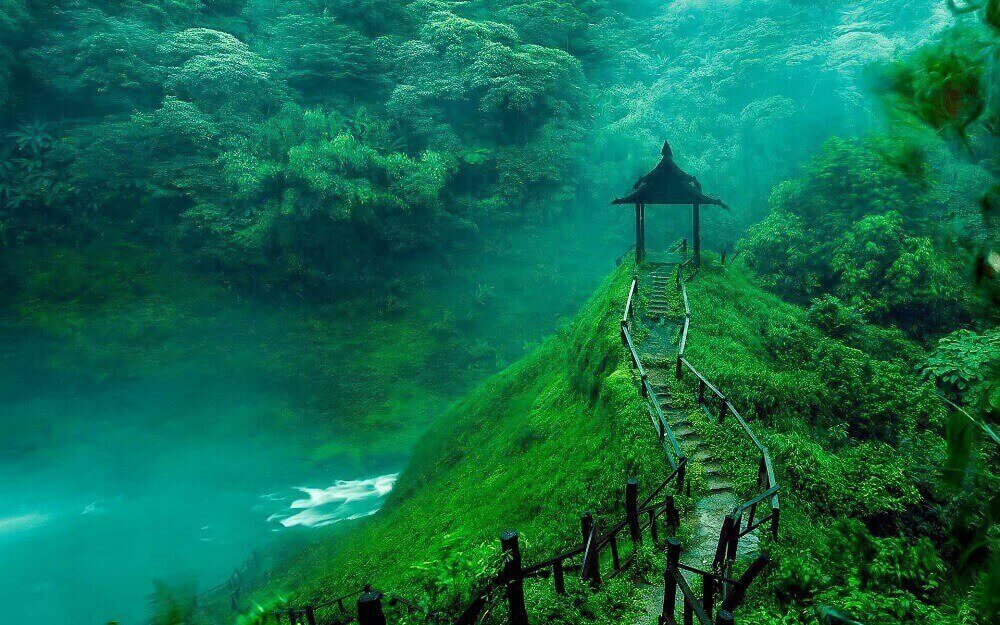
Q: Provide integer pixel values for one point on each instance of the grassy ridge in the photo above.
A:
(856, 437)
(557, 433)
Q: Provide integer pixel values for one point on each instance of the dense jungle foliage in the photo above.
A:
(244, 136)
(368, 206)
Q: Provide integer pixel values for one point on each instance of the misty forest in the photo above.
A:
(382, 311)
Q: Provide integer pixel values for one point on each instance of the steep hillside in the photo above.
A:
(555, 434)
(867, 527)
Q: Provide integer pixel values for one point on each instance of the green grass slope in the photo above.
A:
(555, 434)
(867, 526)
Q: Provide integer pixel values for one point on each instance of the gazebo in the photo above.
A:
(667, 184)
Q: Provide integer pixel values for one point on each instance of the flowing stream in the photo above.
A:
(105, 487)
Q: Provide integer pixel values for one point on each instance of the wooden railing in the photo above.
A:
(675, 455)
(731, 591)
(743, 519)
(584, 559)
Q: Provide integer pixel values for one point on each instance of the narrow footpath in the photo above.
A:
(664, 319)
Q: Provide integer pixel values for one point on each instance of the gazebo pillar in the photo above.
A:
(640, 233)
(696, 218)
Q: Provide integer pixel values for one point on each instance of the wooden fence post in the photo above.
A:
(681, 471)
(557, 577)
(688, 611)
(708, 593)
(761, 480)
(615, 559)
(669, 581)
(591, 562)
(701, 391)
(672, 514)
(517, 611)
(370, 608)
(734, 537)
(310, 615)
(632, 509)
(653, 533)
(696, 218)
(722, 410)
(723, 546)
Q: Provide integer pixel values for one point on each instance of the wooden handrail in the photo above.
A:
(772, 482)
(668, 433)
(656, 491)
(684, 337)
(635, 355)
(689, 596)
(628, 302)
(703, 380)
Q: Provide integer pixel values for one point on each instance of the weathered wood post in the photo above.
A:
(370, 608)
(516, 609)
(652, 526)
(723, 546)
(723, 410)
(701, 391)
(615, 559)
(669, 581)
(681, 472)
(724, 617)
(557, 577)
(310, 615)
(734, 537)
(708, 592)
(632, 509)
(696, 217)
(761, 481)
(672, 514)
(688, 611)
(591, 553)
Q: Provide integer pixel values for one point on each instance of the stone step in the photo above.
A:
(702, 455)
(684, 432)
(718, 485)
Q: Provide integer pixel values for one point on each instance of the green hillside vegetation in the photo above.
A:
(555, 434)
(858, 438)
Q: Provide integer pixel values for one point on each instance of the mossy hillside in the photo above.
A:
(555, 434)
(857, 444)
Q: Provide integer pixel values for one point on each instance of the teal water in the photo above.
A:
(105, 487)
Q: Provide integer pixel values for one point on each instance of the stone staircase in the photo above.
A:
(663, 320)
